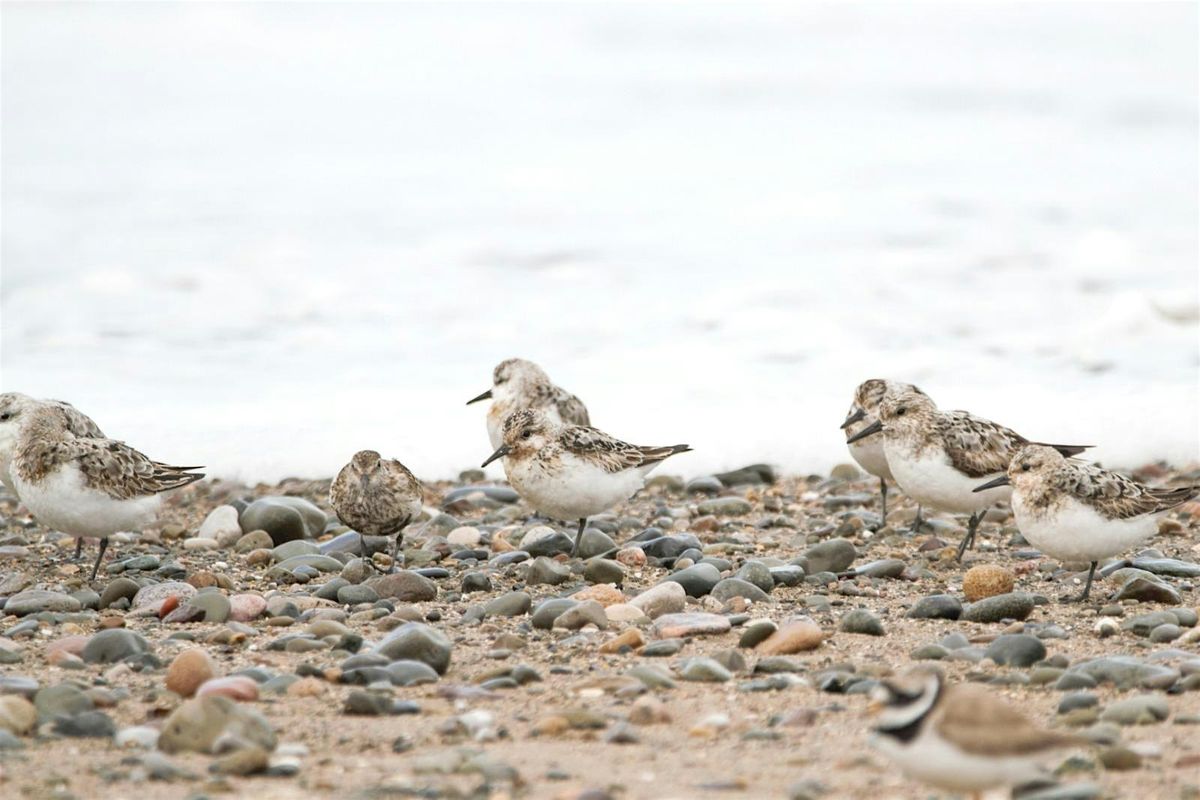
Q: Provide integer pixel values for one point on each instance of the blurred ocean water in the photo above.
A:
(263, 236)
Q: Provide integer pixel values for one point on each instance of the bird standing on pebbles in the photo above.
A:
(518, 384)
(13, 405)
(571, 471)
(869, 452)
(377, 497)
(1080, 512)
(82, 486)
(959, 738)
(939, 457)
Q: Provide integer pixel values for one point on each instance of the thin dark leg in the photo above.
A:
(396, 549)
(78, 548)
(883, 500)
(969, 539)
(918, 521)
(1087, 589)
(362, 547)
(578, 536)
(99, 557)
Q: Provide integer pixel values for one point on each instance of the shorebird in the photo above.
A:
(377, 497)
(570, 472)
(959, 738)
(869, 452)
(518, 384)
(938, 458)
(1080, 512)
(89, 487)
(13, 406)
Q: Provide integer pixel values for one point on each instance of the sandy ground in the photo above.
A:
(815, 736)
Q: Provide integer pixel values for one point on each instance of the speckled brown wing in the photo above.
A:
(1117, 496)
(976, 722)
(977, 447)
(609, 452)
(379, 505)
(571, 409)
(78, 423)
(121, 472)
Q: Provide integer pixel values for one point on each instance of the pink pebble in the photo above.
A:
(235, 687)
(246, 607)
(70, 645)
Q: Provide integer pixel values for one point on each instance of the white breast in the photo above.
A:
(1074, 531)
(573, 488)
(932, 759)
(61, 501)
(930, 479)
(870, 456)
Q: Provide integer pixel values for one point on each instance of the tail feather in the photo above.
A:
(1067, 450)
(652, 455)
(1169, 498)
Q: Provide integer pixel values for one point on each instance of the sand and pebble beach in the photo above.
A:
(715, 638)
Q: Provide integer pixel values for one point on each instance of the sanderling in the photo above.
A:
(91, 487)
(377, 497)
(1079, 512)
(939, 458)
(959, 738)
(13, 407)
(518, 384)
(869, 452)
(570, 472)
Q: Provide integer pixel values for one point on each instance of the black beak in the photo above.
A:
(485, 396)
(501, 452)
(853, 418)
(873, 428)
(992, 484)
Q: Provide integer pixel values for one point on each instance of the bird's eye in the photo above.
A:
(1024, 468)
(901, 411)
(526, 434)
(5, 417)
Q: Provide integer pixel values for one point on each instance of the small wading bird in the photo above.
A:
(377, 497)
(959, 738)
(869, 452)
(1080, 512)
(518, 384)
(939, 457)
(13, 405)
(570, 472)
(90, 487)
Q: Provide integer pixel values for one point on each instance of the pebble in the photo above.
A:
(113, 645)
(756, 631)
(405, 585)
(87, 724)
(1145, 709)
(987, 580)
(1016, 650)
(34, 601)
(860, 620)
(17, 715)
(579, 615)
(234, 687)
(198, 724)
(937, 606)
(1148, 591)
(416, 641)
(546, 541)
(243, 761)
(832, 555)
(284, 519)
(725, 506)
(730, 588)
(543, 570)
(549, 610)
(697, 580)
(670, 626)
(511, 604)
(665, 598)
(152, 597)
(602, 570)
(795, 636)
(1014, 605)
(704, 669)
(221, 525)
(188, 670)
